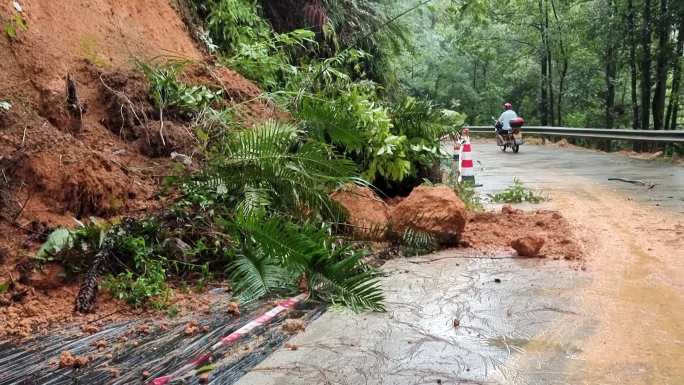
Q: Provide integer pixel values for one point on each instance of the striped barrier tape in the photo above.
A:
(191, 368)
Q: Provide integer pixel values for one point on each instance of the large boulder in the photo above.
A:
(434, 210)
(365, 210)
(528, 246)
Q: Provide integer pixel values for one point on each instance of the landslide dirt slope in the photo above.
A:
(58, 165)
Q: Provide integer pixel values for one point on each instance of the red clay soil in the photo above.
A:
(59, 164)
(39, 310)
(435, 210)
(495, 231)
(366, 211)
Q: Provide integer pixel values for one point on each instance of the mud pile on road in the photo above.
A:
(437, 211)
(496, 231)
(367, 213)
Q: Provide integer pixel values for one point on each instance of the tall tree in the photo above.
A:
(646, 65)
(673, 106)
(610, 65)
(563, 65)
(634, 73)
(662, 56)
(544, 53)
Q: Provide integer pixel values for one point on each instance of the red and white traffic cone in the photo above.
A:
(467, 172)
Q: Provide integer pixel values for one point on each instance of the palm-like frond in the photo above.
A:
(255, 274)
(334, 273)
(415, 242)
(270, 165)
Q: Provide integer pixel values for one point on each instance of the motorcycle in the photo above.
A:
(509, 138)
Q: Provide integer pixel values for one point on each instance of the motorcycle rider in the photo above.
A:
(506, 117)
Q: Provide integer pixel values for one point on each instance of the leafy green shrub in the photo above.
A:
(391, 143)
(168, 92)
(69, 246)
(267, 61)
(466, 191)
(17, 23)
(516, 193)
(144, 276)
(231, 23)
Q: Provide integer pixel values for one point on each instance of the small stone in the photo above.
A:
(293, 326)
(291, 346)
(457, 322)
(89, 329)
(68, 360)
(234, 309)
(528, 246)
(191, 328)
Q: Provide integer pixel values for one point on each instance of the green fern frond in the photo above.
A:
(255, 275)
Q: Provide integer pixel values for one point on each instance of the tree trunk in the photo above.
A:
(673, 107)
(646, 66)
(543, 53)
(633, 63)
(658, 106)
(610, 68)
(563, 66)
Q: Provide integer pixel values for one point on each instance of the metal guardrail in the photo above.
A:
(670, 136)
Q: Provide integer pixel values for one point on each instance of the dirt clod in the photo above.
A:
(368, 214)
(191, 328)
(234, 309)
(68, 360)
(50, 276)
(293, 326)
(89, 328)
(508, 209)
(291, 346)
(494, 232)
(143, 330)
(434, 210)
(528, 246)
(100, 344)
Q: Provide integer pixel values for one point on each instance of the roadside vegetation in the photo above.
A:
(367, 98)
(258, 213)
(601, 63)
(517, 193)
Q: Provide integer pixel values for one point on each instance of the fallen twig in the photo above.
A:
(21, 210)
(632, 181)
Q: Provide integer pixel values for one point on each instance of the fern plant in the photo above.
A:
(273, 167)
(281, 253)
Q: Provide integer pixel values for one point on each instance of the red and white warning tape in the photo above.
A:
(191, 368)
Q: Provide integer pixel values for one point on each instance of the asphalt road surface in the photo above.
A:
(616, 317)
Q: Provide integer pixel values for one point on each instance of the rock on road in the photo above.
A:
(617, 317)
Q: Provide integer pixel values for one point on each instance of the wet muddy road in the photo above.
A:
(617, 317)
